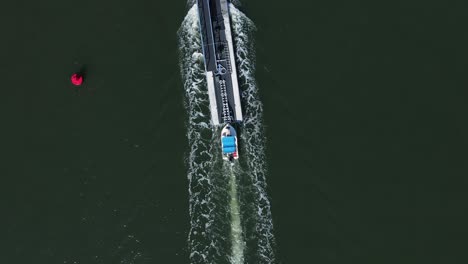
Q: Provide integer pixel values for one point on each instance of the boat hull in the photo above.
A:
(220, 65)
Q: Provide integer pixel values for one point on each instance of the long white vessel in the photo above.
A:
(220, 70)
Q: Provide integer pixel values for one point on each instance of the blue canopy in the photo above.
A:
(229, 141)
(229, 144)
(229, 150)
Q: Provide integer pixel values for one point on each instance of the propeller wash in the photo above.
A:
(230, 214)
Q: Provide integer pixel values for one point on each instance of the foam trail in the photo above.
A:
(237, 241)
(223, 199)
(206, 242)
(253, 142)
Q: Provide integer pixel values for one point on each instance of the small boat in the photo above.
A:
(229, 143)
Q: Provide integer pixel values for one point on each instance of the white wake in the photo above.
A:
(230, 214)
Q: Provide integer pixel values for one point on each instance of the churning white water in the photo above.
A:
(229, 209)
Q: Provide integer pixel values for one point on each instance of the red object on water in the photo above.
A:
(76, 79)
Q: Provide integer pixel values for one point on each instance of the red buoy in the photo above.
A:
(76, 79)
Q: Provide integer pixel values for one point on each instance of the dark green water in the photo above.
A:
(366, 125)
(94, 175)
(364, 108)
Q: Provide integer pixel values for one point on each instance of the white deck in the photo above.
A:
(235, 85)
(212, 97)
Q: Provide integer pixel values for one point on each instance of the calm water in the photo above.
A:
(364, 112)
